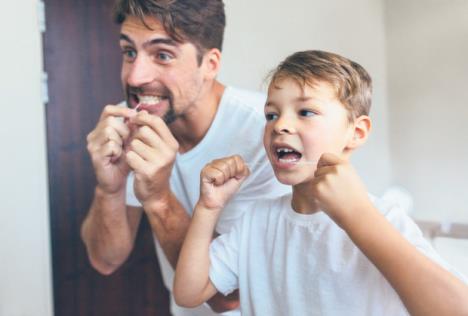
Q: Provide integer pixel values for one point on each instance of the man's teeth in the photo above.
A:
(149, 99)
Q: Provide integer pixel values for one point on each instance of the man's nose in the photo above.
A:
(141, 72)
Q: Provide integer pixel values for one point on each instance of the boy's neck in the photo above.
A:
(302, 201)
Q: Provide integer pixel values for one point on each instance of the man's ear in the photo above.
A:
(362, 127)
(212, 63)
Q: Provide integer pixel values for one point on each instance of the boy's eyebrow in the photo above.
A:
(154, 41)
(304, 98)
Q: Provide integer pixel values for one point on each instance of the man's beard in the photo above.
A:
(170, 116)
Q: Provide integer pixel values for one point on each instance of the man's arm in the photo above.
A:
(109, 231)
(169, 221)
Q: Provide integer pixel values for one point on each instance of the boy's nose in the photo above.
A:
(283, 126)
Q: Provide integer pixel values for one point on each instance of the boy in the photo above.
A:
(328, 248)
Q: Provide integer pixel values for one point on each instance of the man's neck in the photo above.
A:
(190, 129)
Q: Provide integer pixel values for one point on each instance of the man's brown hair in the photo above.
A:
(352, 83)
(200, 22)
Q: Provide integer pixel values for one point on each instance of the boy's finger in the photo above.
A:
(328, 159)
(215, 176)
(319, 172)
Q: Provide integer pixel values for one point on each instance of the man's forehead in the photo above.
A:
(149, 25)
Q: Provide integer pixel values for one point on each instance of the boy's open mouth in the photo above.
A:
(287, 154)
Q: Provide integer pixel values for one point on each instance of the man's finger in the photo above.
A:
(118, 111)
(157, 124)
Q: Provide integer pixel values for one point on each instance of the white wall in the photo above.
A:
(262, 33)
(426, 55)
(25, 276)
(428, 88)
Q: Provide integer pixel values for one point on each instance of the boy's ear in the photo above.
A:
(362, 127)
(212, 63)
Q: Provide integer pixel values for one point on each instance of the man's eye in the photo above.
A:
(306, 113)
(129, 54)
(164, 57)
(271, 116)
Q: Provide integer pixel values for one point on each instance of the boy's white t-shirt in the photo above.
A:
(237, 129)
(286, 263)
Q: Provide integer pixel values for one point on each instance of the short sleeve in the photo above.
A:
(224, 260)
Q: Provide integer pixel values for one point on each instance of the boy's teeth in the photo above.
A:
(287, 160)
(148, 99)
(284, 150)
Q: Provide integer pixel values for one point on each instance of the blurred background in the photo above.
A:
(60, 66)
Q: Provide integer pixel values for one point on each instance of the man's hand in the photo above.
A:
(220, 303)
(338, 189)
(220, 179)
(106, 147)
(151, 154)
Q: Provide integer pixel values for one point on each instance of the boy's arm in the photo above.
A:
(219, 180)
(424, 287)
(192, 285)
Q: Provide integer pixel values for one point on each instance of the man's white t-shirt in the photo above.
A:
(237, 129)
(286, 263)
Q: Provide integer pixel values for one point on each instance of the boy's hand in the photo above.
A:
(338, 189)
(220, 179)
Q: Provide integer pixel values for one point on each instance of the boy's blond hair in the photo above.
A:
(352, 83)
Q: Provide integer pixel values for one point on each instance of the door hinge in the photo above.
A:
(41, 16)
(44, 87)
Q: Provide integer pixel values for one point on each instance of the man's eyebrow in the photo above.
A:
(155, 41)
(167, 41)
(124, 37)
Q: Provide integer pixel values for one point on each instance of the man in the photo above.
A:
(147, 157)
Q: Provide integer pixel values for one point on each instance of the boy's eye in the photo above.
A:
(271, 116)
(306, 113)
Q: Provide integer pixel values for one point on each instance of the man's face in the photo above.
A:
(302, 124)
(159, 75)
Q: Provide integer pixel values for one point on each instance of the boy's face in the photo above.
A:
(302, 124)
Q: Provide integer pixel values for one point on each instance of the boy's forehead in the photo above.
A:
(301, 88)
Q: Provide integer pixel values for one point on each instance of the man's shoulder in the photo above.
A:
(243, 99)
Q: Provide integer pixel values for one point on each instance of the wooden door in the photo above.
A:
(82, 59)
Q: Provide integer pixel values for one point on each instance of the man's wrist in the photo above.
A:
(101, 194)
(158, 203)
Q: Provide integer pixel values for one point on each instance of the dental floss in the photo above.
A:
(136, 108)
